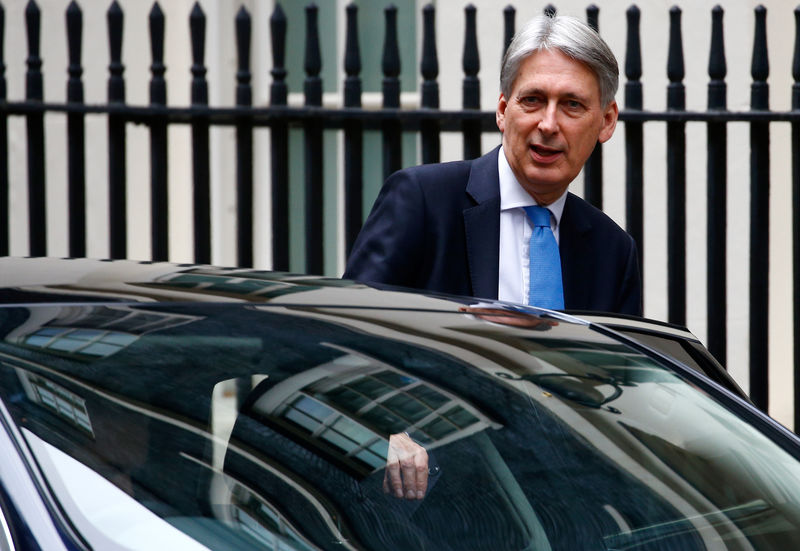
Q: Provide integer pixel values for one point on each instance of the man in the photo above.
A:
(465, 227)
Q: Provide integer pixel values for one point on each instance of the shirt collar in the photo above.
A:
(513, 195)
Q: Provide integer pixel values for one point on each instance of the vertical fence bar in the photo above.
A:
(159, 197)
(593, 170)
(314, 158)
(509, 15)
(676, 175)
(759, 218)
(37, 216)
(4, 211)
(76, 137)
(634, 148)
(390, 63)
(429, 129)
(717, 177)
(200, 150)
(244, 144)
(353, 134)
(471, 64)
(117, 194)
(279, 144)
(796, 217)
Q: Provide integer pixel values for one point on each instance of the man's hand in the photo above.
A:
(406, 474)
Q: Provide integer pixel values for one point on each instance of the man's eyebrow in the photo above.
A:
(540, 92)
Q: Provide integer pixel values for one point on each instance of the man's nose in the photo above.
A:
(549, 123)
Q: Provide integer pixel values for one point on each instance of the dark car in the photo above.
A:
(156, 406)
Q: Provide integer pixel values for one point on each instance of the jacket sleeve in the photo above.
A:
(390, 246)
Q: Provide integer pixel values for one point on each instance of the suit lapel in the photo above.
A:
(482, 226)
(574, 251)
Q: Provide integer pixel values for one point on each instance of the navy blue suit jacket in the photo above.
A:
(437, 227)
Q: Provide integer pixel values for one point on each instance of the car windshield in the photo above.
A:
(213, 426)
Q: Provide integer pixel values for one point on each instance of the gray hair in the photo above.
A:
(573, 38)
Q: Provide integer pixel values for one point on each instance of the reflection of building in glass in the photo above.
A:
(259, 519)
(87, 342)
(67, 405)
(249, 283)
(91, 332)
(354, 407)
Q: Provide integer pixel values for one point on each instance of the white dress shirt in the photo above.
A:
(515, 233)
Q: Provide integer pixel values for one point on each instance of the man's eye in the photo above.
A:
(529, 100)
(574, 105)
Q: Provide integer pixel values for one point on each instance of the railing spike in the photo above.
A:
(676, 94)
(633, 61)
(277, 23)
(74, 18)
(593, 17)
(760, 63)
(352, 60)
(158, 86)
(244, 94)
(509, 15)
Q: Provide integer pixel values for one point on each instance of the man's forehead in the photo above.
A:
(546, 58)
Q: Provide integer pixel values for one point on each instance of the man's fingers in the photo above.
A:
(409, 469)
(422, 473)
(395, 478)
(406, 474)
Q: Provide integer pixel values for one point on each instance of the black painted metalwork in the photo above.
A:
(759, 217)
(37, 215)
(391, 120)
(353, 134)
(313, 147)
(76, 137)
(117, 177)
(471, 64)
(676, 176)
(244, 143)
(593, 170)
(429, 66)
(634, 146)
(390, 64)
(509, 15)
(4, 188)
(200, 145)
(796, 213)
(279, 144)
(717, 178)
(159, 197)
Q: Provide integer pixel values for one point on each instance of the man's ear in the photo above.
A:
(609, 122)
(500, 114)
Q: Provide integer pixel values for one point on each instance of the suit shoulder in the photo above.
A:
(453, 171)
(594, 218)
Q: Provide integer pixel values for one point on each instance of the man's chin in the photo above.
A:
(544, 190)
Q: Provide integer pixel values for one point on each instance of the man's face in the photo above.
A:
(551, 122)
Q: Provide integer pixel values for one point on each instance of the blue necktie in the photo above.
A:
(546, 289)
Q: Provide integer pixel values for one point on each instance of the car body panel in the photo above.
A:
(242, 409)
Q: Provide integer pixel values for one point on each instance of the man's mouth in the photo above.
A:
(544, 154)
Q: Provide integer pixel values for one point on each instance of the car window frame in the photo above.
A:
(780, 435)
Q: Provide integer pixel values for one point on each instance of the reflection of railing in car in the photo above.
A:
(581, 389)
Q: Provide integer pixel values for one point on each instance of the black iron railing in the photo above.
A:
(429, 121)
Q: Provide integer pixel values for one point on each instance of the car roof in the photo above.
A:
(26, 281)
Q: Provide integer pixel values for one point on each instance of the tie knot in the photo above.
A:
(540, 216)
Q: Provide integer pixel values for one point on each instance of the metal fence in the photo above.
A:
(428, 120)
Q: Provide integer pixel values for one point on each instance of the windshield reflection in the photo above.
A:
(269, 426)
